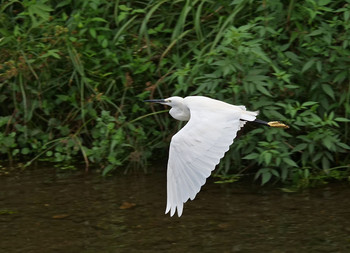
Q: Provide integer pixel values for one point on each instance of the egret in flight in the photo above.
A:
(198, 147)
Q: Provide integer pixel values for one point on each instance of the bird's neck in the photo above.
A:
(181, 113)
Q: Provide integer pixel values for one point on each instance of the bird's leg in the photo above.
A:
(271, 123)
(260, 122)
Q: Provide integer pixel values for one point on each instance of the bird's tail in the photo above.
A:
(249, 116)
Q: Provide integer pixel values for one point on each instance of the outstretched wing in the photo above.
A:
(196, 149)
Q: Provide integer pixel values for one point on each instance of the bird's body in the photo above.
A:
(181, 107)
(198, 147)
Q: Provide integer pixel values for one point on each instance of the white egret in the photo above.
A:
(198, 147)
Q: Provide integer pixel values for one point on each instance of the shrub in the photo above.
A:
(74, 74)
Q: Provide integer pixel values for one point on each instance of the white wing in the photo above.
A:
(198, 147)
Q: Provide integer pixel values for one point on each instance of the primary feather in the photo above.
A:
(198, 147)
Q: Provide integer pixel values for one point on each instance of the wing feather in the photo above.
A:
(197, 148)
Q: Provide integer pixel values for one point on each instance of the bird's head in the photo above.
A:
(179, 109)
(172, 101)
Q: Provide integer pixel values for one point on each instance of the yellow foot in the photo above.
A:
(277, 124)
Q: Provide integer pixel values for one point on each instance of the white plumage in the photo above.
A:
(198, 147)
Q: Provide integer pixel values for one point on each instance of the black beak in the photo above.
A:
(155, 101)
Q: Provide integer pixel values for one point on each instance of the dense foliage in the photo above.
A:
(74, 74)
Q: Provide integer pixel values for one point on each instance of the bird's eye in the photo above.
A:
(169, 101)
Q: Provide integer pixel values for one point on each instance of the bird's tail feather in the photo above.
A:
(249, 116)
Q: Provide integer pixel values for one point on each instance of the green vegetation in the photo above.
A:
(73, 75)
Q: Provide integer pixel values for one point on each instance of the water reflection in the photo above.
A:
(45, 211)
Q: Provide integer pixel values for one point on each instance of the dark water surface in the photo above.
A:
(42, 210)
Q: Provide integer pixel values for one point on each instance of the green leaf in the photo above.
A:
(309, 103)
(267, 158)
(300, 147)
(51, 52)
(292, 56)
(325, 163)
(92, 32)
(39, 13)
(340, 77)
(323, 2)
(289, 161)
(328, 90)
(63, 3)
(104, 43)
(346, 15)
(284, 173)
(108, 169)
(4, 120)
(251, 156)
(341, 119)
(260, 54)
(122, 16)
(253, 78)
(316, 32)
(97, 19)
(308, 65)
(265, 177)
(263, 90)
(25, 151)
(138, 11)
(319, 66)
(124, 7)
(343, 145)
(275, 173)
(328, 142)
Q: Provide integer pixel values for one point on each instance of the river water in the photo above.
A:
(47, 210)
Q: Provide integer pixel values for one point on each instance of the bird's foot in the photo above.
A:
(277, 124)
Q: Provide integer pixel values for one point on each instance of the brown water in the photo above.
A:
(44, 210)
